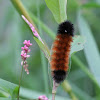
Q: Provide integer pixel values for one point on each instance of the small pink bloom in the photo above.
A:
(25, 62)
(22, 48)
(26, 68)
(43, 97)
(21, 63)
(25, 48)
(24, 54)
(28, 56)
(33, 29)
(27, 72)
(29, 50)
(27, 43)
(35, 33)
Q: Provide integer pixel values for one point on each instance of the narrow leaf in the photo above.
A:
(1, 98)
(43, 47)
(9, 87)
(90, 48)
(58, 9)
(25, 93)
(91, 5)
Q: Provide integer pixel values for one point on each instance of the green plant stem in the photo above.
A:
(20, 83)
(21, 10)
(54, 89)
(66, 86)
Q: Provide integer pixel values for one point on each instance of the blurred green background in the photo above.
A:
(13, 31)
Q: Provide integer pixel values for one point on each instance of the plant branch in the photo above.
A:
(21, 10)
(55, 85)
(20, 83)
(66, 86)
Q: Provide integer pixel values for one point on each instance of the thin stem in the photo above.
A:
(22, 11)
(66, 86)
(20, 82)
(55, 85)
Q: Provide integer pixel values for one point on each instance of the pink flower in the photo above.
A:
(35, 33)
(26, 68)
(43, 97)
(24, 54)
(27, 43)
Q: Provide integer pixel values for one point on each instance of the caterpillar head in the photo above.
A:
(66, 28)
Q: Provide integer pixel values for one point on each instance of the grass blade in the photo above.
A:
(91, 49)
(91, 5)
(9, 88)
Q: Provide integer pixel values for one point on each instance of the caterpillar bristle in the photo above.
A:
(66, 28)
(60, 51)
(59, 75)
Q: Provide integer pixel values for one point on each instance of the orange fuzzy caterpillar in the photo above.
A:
(60, 51)
(60, 54)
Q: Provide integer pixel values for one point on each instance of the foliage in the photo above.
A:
(13, 31)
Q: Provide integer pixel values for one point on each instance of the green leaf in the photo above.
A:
(43, 47)
(91, 5)
(90, 48)
(58, 9)
(13, 99)
(33, 94)
(25, 93)
(9, 88)
(77, 44)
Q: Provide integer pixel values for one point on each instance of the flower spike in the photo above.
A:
(24, 54)
(35, 33)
